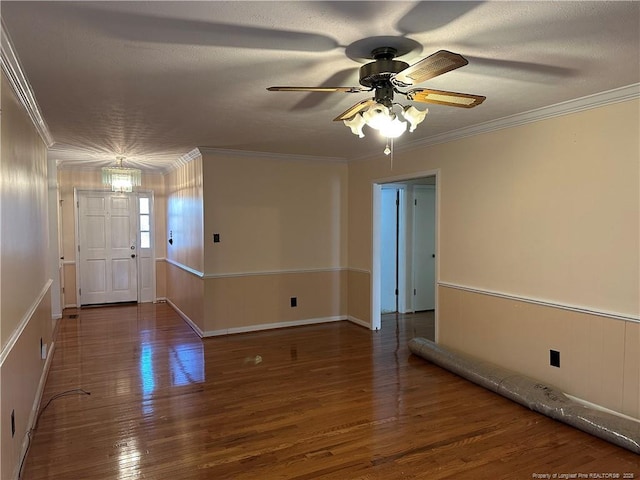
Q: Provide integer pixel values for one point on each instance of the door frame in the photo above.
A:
(375, 240)
(76, 197)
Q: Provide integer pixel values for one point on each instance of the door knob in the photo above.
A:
(133, 255)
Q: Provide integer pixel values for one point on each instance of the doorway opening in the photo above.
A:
(114, 247)
(404, 264)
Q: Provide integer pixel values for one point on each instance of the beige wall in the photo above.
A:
(184, 210)
(547, 211)
(185, 215)
(245, 302)
(82, 179)
(185, 292)
(283, 231)
(22, 375)
(25, 302)
(161, 279)
(599, 356)
(274, 214)
(359, 296)
(24, 213)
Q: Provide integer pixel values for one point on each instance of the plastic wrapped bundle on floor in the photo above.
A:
(533, 394)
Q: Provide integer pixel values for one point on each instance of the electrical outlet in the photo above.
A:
(294, 302)
(13, 423)
(216, 238)
(554, 358)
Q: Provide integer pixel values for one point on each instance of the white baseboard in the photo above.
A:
(595, 406)
(271, 326)
(186, 318)
(33, 416)
(71, 305)
(264, 326)
(359, 322)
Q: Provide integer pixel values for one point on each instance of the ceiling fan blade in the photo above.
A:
(311, 100)
(351, 111)
(440, 62)
(440, 97)
(320, 89)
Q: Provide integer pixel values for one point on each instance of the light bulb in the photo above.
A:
(394, 128)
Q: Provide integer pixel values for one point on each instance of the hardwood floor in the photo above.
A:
(418, 324)
(331, 401)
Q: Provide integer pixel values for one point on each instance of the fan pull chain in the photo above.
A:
(388, 149)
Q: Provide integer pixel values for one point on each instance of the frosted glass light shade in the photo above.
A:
(356, 124)
(377, 116)
(414, 116)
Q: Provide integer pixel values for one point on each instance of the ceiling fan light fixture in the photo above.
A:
(414, 116)
(377, 116)
(385, 75)
(393, 128)
(380, 118)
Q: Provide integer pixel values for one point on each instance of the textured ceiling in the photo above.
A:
(153, 80)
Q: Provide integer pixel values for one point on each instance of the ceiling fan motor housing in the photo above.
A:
(378, 74)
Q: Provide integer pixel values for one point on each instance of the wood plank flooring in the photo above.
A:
(331, 401)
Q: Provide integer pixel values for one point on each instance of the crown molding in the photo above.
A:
(617, 95)
(269, 155)
(184, 160)
(18, 80)
(564, 108)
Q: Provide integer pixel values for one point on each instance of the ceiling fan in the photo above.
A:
(386, 76)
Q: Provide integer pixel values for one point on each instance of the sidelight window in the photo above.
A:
(145, 223)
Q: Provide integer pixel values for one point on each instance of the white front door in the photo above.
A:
(424, 247)
(107, 246)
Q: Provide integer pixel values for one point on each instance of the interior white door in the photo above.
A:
(424, 247)
(107, 248)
